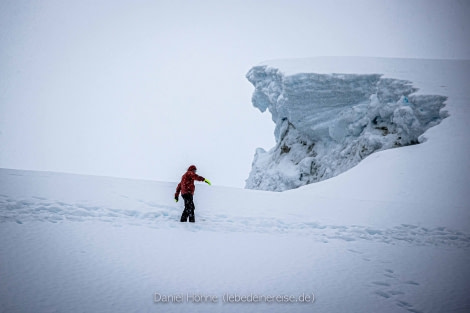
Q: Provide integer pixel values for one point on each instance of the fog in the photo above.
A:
(143, 89)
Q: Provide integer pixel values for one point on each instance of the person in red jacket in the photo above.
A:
(186, 188)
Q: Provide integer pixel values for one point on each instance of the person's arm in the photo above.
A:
(178, 190)
(200, 178)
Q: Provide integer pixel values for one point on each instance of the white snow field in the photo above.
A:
(391, 234)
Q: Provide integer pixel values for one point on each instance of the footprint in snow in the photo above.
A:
(403, 304)
(396, 292)
(39, 198)
(407, 306)
(411, 282)
(382, 294)
(389, 273)
(381, 283)
(355, 251)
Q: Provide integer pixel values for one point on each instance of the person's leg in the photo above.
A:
(184, 216)
(191, 214)
(186, 211)
(189, 207)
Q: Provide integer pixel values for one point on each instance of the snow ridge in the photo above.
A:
(328, 123)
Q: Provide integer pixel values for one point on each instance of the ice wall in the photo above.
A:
(328, 123)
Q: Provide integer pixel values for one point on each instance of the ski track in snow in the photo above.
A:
(154, 215)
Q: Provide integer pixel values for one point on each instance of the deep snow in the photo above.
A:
(81, 244)
(392, 234)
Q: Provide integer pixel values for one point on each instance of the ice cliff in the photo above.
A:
(327, 123)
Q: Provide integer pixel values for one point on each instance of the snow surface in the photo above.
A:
(392, 234)
(329, 117)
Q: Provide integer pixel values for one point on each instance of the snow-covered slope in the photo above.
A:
(329, 118)
(391, 234)
(95, 244)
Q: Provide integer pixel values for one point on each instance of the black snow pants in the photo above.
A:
(188, 208)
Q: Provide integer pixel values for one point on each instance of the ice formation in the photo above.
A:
(328, 123)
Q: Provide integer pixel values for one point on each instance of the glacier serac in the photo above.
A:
(327, 121)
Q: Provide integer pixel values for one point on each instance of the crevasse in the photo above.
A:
(328, 123)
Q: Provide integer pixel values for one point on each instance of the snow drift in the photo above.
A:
(328, 123)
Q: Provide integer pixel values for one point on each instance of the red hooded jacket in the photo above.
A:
(187, 182)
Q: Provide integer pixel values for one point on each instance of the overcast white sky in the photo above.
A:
(143, 89)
